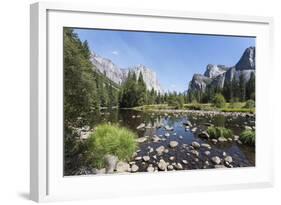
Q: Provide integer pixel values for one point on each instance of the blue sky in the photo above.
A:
(174, 57)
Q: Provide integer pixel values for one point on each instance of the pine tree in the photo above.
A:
(236, 89)
(141, 91)
(129, 91)
(80, 90)
(227, 91)
(242, 87)
(250, 87)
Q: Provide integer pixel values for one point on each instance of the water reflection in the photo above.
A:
(243, 155)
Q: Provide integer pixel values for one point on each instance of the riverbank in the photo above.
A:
(198, 109)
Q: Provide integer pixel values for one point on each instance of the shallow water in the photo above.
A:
(243, 155)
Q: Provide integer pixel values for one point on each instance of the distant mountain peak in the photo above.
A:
(119, 75)
(247, 60)
(216, 75)
(213, 71)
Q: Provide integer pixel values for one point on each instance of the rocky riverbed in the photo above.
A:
(178, 140)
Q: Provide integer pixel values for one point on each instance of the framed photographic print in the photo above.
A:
(128, 102)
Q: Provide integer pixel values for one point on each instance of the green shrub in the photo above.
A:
(234, 105)
(111, 139)
(250, 104)
(219, 100)
(176, 102)
(248, 137)
(238, 110)
(193, 106)
(216, 132)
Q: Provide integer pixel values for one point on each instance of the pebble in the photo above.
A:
(195, 145)
(173, 144)
(228, 159)
(150, 168)
(184, 161)
(134, 168)
(216, 160)
(178, 166)
(146, 158)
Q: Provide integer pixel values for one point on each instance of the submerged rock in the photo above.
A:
(168, 128)
(195, 145)
(167, 134)
(173, 144)
(160, 150)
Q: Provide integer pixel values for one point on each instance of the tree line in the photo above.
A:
(87, 90)
(233, 91)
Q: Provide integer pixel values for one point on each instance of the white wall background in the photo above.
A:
(14, 101)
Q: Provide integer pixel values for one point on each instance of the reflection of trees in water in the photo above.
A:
(219, 120)
(150, 132)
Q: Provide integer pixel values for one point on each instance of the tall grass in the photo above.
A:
(216, 132)
(248, 137)
(111, 139)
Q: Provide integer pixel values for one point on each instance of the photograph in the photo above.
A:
(148, 101)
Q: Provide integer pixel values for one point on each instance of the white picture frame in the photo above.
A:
(47, 182)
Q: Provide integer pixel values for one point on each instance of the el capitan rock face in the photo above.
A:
(119, 75)
(216, 75)
(149, 77)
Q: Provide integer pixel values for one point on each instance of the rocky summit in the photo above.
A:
(216, 75)
(119, 75)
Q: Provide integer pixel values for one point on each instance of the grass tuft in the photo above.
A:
(216, 132)
(111, 139)
(248, 137)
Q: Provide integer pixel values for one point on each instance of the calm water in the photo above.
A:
(243, 155)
